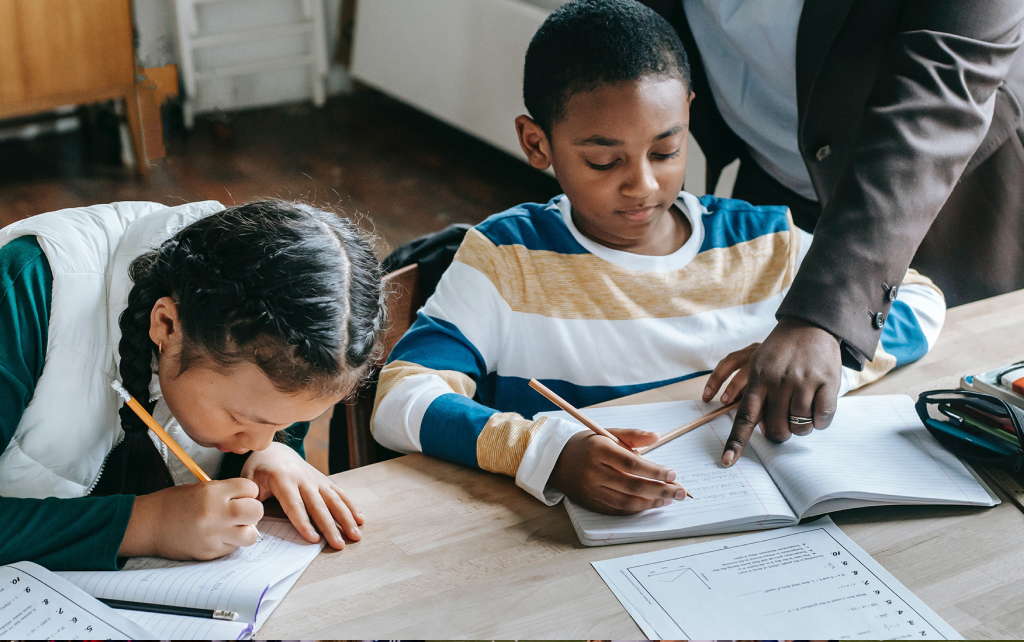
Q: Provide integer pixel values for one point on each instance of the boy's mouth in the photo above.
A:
(638, 214)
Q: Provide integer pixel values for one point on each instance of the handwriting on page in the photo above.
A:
(743, 493)
(30, 608)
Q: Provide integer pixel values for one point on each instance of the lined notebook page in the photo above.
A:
(736, 498)
(875, 449)
(235, 582)
(176, 627)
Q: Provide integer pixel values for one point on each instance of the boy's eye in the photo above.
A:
(666, 156)
(235, 419)
(602, 167)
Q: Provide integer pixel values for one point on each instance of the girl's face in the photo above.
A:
(234, 409)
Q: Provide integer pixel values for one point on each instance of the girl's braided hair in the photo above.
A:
(288, 287)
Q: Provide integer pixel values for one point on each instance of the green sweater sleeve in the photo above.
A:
(61, 534)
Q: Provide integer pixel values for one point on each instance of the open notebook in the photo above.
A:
(876, 452)
(251, 581)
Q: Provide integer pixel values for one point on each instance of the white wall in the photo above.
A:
(462, 62)
(155, 26)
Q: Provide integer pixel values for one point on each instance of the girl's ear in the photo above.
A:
(534, 142)
(165, 324)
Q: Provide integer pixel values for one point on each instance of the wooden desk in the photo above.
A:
(450, 552)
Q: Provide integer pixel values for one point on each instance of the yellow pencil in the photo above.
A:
(172, 445)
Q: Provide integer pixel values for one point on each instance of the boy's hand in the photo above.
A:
(194, 521)
(595, 472)
(738, 362)
(303, 492)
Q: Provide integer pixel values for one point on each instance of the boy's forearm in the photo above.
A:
(424, 412)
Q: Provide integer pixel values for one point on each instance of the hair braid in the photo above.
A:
(367, 304)
(135, 466)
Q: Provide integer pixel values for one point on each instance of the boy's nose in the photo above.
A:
(641, 181)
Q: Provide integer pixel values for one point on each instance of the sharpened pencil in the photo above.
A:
(685, 428)
(587, 421)
(172, 445)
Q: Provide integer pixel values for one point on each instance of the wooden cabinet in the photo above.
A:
(64, 52)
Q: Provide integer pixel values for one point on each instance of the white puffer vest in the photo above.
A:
(71, 423)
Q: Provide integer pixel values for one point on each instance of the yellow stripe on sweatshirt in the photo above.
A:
(503, 442)
(584, 286)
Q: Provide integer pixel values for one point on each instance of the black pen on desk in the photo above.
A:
(212, 614)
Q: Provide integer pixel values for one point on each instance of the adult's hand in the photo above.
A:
(796, 371)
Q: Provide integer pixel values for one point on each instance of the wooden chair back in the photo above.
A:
(351, 443)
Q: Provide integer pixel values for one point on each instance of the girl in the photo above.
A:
(240, 323)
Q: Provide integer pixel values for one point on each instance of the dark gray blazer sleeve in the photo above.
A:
(928, 112)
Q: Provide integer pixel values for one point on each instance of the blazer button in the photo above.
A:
(823, 153)
(879, 320)
(892, 293)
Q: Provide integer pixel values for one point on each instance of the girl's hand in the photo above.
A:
(738, 362)
(303, 492)
(595, 472)
(193, 522)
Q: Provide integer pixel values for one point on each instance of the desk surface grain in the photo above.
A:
(450, 552)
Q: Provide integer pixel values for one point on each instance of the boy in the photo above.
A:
(623, 284)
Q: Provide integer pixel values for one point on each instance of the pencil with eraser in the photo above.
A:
(172, 445)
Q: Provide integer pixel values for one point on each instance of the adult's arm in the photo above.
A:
(60, 534)
(929, 111)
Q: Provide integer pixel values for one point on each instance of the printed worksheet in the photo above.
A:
(808, 582)
(35, 604)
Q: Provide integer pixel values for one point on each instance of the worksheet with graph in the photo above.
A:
(876, 452)
(809, 582)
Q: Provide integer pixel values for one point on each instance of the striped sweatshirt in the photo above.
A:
(528, 296)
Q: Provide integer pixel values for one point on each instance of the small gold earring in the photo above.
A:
(161, 347)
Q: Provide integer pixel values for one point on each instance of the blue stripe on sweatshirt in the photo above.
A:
(902, 336)
(438, 345)
(451, 426)
(730, 222)
(533, 226)
(513, 394)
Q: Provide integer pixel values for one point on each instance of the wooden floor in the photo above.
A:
(399, 172)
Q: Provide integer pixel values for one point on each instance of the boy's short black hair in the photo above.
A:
(589, 43)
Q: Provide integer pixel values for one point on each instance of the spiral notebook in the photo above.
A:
(251, 581)
(876, 452)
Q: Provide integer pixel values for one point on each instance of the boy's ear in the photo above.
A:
(534, 142)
